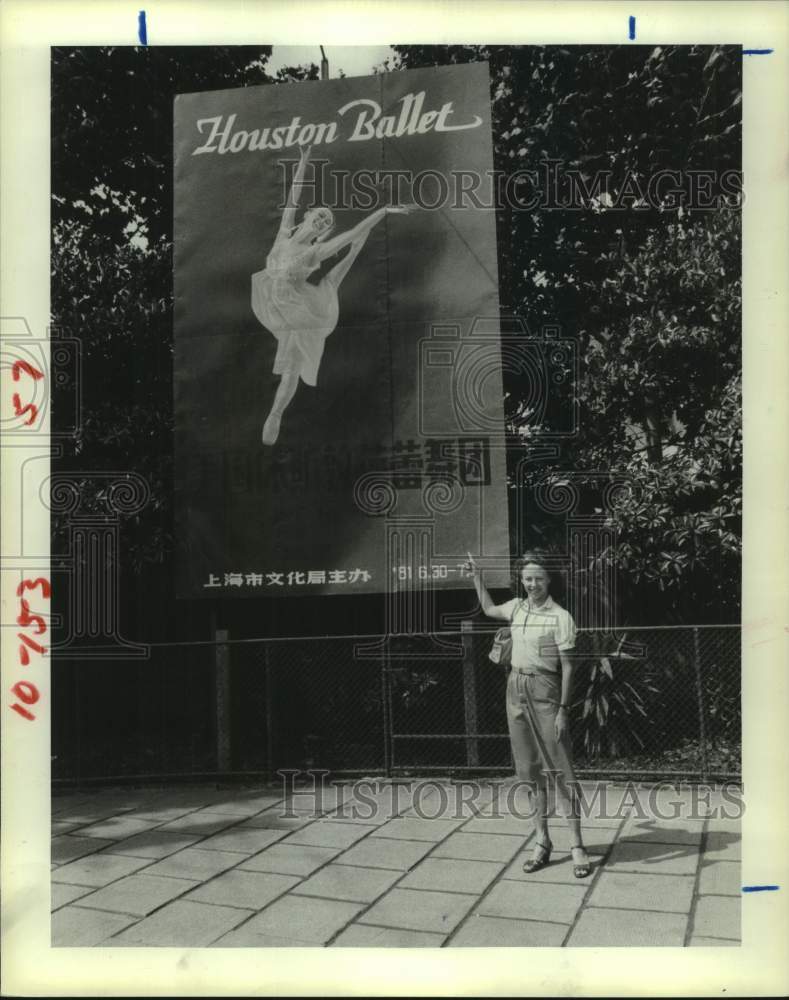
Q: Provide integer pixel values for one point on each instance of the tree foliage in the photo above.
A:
(645, 278)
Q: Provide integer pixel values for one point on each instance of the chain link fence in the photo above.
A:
(649, 703)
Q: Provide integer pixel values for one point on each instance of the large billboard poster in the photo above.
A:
(337, 358)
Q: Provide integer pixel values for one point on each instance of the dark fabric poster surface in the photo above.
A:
(338, 394)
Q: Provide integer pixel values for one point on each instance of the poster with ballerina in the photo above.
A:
(331, 277)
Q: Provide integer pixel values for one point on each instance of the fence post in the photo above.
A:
(702, 704)
(469, 694)
(269, 692)
(222, 689)
(387, 712)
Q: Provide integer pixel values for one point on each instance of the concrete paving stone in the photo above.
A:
(242, 938)
(479, 847)
(271, 820)
(365, 936)
(373, 807)
(720, 878)
(488, 824)
(676, 831)
(394, 797)
(316, 802)
(721, 846)
(322, 833)
(247, 841)
(595, 822)
(420, 910)
(63, 826)
(721, 824)
(70, 847)
(597, 840)
(600, 928)
(603, 805)
(118, 827)
(449, 875)
(284, 860)
(98, 869)
(669, 859)
(303, 918)
(705, 942)
(182, 924)
(529, 901)
(498, 932)
(161, 812)
(152, 844)
(196, 796)
(137, 894)
(662, 795)
(118, 799)
(63, 894)
(61, 802)
(201, 824)
(85, 817)
(361, 819)
(195, 864)
(623, 891)
(717, 916)
(379, 852)
(414, 828)
(518, 807)
(617, 801)
(560, 869)
(244, 889)
(695, 800)
(231, 806)
(449, 800)
(357, 885)
(73, 927)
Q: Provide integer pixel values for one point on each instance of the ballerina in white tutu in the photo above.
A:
(299, 313)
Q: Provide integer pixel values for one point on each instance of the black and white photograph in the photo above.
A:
(387, 439)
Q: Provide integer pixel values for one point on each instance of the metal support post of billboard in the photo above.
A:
(469, 694)
(269, 692)
(701, 704)
(222, 689)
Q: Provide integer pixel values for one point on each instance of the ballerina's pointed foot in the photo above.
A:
(582, 866)
(271, 428)
(540, 858)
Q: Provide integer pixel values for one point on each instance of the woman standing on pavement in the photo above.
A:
(538, 698)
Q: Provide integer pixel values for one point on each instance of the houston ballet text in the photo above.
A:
(369, 123)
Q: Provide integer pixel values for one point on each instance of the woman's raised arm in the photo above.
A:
(486, 601)
(287, 221)
(330, 247)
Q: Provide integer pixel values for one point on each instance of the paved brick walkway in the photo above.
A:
(193, 867)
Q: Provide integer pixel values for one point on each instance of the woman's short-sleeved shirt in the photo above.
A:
(539, 634)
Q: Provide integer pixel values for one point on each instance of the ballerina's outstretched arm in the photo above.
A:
(359, 232)
(289, 213)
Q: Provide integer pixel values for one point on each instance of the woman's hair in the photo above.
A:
(539, 557)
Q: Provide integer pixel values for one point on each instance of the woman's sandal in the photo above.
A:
(583, 868)
(542, 857)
